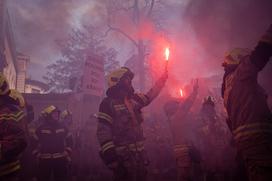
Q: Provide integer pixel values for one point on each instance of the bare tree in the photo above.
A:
(74, 50)
(135, 13)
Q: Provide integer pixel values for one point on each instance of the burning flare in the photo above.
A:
(167, 53)
(181, 92)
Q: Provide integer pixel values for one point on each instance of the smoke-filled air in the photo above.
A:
(165, 90)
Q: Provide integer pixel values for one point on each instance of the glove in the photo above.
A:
(267, 37)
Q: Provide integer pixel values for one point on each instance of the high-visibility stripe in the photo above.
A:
(107, 146)
(138, 146)
(52, 155)
(119, 107)
(252, 125)
(105, 116)
(143, 98)
(9, 168)
(60, 130)
(248, 130)
(181, 151)
(46, 131)
(12, 114)
(15, 117)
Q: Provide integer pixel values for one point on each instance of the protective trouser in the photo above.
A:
(56, 168)
(132, 166)
(254, 142)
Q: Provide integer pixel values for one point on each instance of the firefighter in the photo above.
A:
(12, 133)
(249, 117)
(53, 146)
(217, 154)
(66, 118)
(119, 130)
(26, 158)
(181, 125)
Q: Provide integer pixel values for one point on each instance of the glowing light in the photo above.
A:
(181, 92)
(167, 53)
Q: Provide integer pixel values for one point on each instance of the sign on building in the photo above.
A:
(93, 79)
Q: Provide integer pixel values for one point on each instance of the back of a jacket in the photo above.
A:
(12, 138)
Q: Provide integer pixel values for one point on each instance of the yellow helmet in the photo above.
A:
(49, 110)
(234, 56)
(17, 97)
(64, 114)
(114, 77)
(4, 86)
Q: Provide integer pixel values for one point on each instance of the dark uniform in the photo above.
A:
(120, 133)
(12, 141)
(180, 120)
(53, 150)
(12, 133)
(249, 117)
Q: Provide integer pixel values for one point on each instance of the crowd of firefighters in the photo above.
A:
(204, 146)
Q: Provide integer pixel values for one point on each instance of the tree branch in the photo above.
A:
(110, 28)
(151, 8)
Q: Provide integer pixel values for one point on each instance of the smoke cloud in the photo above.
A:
(200, 31)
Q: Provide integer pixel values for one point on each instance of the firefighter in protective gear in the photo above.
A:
(214, 137)
(66, 118)
(119, 130)
(181, 126)
(249, 117)
(12, 134)
(53, 146)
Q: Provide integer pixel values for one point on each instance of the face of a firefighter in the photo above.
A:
(126, 84)
(55, 115)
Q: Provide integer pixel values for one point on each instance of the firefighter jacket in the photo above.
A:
(244, 99)
(12, 138)
(120, 118)
(52, 141)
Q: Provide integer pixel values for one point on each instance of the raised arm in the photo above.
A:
(263, 51)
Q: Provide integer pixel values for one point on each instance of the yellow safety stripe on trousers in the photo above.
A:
(181, 151)
(181, 148)
(119, 107)
(138, 146)
(248, 130)
(52, 155)
(105, 116)
(9, 168)
(15, 117)
(107, 146)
